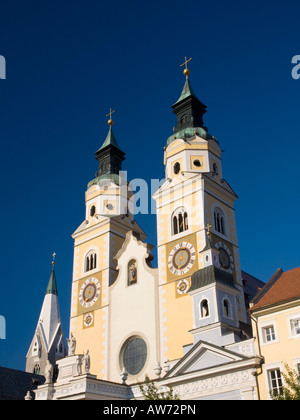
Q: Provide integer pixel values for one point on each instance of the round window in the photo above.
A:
(197, 163)
(134, 355)
(176, 168)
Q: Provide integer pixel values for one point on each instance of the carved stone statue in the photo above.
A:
(72, 345)
(78, 365)
(48, 372)
(86, 362)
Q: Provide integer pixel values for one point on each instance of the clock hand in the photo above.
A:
(180, 259)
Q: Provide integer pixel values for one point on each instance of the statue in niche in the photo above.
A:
(132, 272)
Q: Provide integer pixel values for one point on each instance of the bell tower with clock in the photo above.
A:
(196, 231)
(96, 242)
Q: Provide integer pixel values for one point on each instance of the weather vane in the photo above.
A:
(186, 71)
(110, 121)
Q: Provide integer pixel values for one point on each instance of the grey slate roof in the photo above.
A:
(209, 275)
(14, 384)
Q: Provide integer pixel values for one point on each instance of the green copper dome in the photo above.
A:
(190, 132)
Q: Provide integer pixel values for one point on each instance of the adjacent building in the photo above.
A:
(275, 313)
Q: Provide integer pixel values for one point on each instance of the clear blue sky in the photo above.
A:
(68, 62)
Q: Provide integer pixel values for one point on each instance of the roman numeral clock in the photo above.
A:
(89, 293)
(181, 259)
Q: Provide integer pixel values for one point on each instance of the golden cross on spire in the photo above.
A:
(53, 255)
(110, 121)
(207, 229)
(186, 71)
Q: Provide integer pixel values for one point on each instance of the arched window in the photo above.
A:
(204, 308)
(90, 261)
(215, 169)
(175, 225)
(180, 221)
(185, 221)
(227, 308)
(184, 119)
(37, 369)
(219, 221)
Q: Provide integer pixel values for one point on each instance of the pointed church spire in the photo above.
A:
(110, 156)
(52, 287)
(110, 140)
(188, 109)
(48, 341)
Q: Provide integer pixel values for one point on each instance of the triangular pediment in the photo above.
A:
(202, 356)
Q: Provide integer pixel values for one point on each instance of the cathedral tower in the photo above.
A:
(97, 241)
(194, 200)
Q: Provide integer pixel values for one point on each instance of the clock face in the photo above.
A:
(225, 257)
(181, 258)
(88, 320)
(89, 292)
(182, 287)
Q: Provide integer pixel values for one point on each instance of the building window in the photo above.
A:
(227, 308)
(92, 211)
(184, 119)
(91, 261)
(180, 221)
(275, 382)
(215, 169)
(176, 168)
(204, 308)
(219, 221)
(37, 369)
(295, 327)
(134, 355)
(269, 334)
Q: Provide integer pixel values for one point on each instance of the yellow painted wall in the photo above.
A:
(284, 350)
(92, 339)
(95, 337)
(179, 320)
